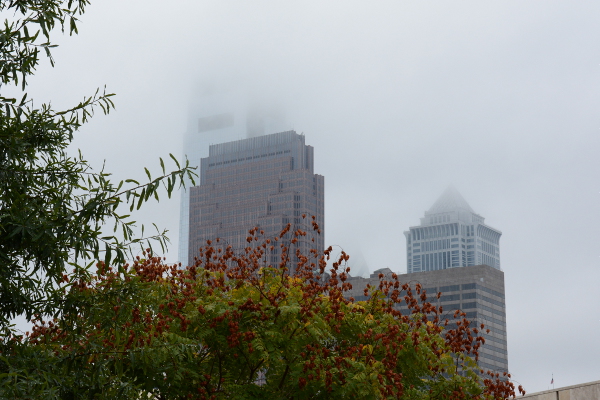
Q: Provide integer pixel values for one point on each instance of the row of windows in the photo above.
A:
(449, 288)
(450, 297)
(467, 230)
(246, 172)
(281, 169)
(490, 291)
(467, 286)
(491, 261)
(465, 306)
(490, 338)
(474, 304)
(434, 245)
(488, 234)
(432, 232)
(450, 308)
(443, 289)
(497, 331)
(488, 248)
(484, 365)
(488, 320)
(213, 194)
(432, 291)
(490, 347)
(484, 355)
(481, 297)
(209, 214)
(235, 160)
(434, 261)
(438, 219)
(491, 310)
(221, 193)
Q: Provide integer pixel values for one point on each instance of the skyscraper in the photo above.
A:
(218, 116)
(451, 235)
(266, 182)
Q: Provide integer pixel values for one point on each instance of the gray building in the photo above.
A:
(265, 182)
(451, 235)
(477, 290)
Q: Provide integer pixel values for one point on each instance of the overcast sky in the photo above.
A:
(499, 98)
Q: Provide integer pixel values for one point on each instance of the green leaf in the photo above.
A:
(174, 159)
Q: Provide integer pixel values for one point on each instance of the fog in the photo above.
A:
(399, 100)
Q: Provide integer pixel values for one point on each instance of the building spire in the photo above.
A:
(450, 200)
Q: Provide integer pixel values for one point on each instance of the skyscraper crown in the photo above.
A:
(450, 200)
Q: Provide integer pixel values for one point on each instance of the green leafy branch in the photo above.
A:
(20, 39)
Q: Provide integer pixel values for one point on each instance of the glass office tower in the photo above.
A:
(218, 116)
(265, 182)
(451, 235)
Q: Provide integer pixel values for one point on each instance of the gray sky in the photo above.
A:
(399, 100)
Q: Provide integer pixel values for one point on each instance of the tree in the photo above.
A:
(54, 207)
(233, 326)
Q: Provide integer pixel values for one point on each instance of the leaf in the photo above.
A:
(107, 255)
(142, 198)
(174, 159)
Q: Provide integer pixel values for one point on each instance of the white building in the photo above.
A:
(451, 235)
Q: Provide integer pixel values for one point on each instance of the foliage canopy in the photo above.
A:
(233, 326)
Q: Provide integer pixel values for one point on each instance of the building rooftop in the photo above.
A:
(450, 200)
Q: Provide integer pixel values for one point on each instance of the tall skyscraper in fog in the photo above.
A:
(218, 116)
(451, 235)
(454, 252)
(266, 182)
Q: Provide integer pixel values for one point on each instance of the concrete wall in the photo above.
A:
(584, 391)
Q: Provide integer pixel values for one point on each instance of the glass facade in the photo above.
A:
(454, 252)
(218, 116)
(265, 182)
(451, 235)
